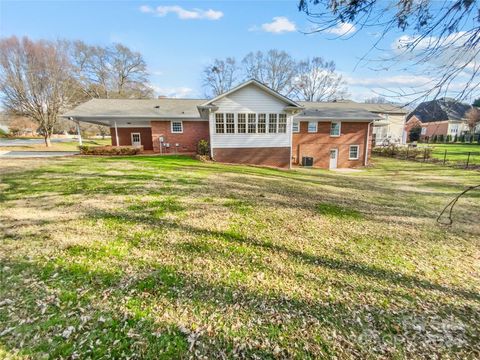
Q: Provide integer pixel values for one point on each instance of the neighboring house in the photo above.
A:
(250, 124)
(443, 116)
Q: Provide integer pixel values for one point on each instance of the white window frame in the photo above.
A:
(423, 131)
(295, 129)
(223, 123)
(283, 115)
(171, 127)
(339, 128)
(244, 123)
(226, 116)
(316, 126)
(350, 151)
(275, 115)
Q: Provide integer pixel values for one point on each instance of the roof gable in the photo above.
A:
(259, 85)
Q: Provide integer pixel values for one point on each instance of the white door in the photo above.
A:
(136, 139)
(333, 158)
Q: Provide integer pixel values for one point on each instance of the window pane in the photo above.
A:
(335, 129)
(219, 124)
(242, 125)
(177, 127)
(272, 123)
(262, 123)
(252, 123)
(282, 123)
(312, 126)
(295, 126)
(353, 152)
(230, 123)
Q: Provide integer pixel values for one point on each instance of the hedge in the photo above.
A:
(110, 150)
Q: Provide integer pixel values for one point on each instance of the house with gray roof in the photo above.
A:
(250, 124)
(445, 116)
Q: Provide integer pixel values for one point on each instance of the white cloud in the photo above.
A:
(182, 13)
(342, 29)
(279, 25)
(173, 92)
(397, 81)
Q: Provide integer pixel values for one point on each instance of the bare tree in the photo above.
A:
(317, 80)
(443, 40)
(129, 72)
(473, 119)
(220, 76)
(377, 100)
(35, 80)
(276, 69)
(110, 72)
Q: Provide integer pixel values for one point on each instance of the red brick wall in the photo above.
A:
(125, 136)
(318, 145)
(277, 156)
(193, 132)
(433, 128)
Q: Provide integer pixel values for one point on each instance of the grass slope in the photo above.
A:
(167, 257)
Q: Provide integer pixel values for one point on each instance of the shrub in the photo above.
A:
(462, 138)
(434, 139)
(455, 138)
(449, 138)
(203, 147)
(110, 150)
(403, 152)
(441, 138)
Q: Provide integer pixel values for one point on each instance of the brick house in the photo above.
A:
(250, 124)
(443, 116)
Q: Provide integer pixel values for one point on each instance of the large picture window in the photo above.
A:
(252, 123)
(230, 123)
(282, 123)
(219, 123)
(335, 128)
(241, 124)
(262, 123)
(272, 123)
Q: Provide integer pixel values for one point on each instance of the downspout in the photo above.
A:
(365, 163)
(291, 141)
(210, 133)
(116, 134)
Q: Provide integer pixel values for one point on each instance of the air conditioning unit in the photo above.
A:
(307, 161)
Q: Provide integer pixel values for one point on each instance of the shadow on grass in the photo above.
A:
(137, 327)
(350, 267)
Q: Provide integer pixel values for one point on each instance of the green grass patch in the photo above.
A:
(338, 211)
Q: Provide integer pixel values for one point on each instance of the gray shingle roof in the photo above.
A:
(440, 109)
(331, 113)
(157, 108)
(348, 104)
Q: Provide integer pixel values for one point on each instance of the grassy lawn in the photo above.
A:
(63, 146)
(168, 257)
(457, 152)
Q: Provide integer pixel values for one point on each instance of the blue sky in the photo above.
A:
(179, 38)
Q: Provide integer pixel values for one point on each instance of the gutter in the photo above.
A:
(367, 142)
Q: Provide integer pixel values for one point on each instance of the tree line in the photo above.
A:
(41, 79)
(311, 79)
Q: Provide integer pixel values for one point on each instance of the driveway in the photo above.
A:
(26, 142)
(34, 154)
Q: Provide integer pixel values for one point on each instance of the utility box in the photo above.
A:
(307, 161)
